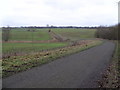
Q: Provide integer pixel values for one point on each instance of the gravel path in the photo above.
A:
(79, 70)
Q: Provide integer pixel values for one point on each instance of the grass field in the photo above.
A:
(25, 35)
(22, 56)
(21, 34)
(11, 48)
(76, 34)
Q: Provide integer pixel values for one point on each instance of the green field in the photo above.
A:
(76, 34)
(11, 48)
(25, 35)
(18, 56)
(22, 34)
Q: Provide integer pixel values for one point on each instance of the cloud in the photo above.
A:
(59, 12)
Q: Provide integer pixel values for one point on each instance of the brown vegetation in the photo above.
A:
(110, 33)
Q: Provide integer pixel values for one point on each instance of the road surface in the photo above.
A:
(79, 70)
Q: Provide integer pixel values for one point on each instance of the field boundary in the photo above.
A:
(41, 41)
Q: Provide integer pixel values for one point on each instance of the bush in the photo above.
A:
(110, 33)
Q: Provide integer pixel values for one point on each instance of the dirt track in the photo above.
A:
(76, 71)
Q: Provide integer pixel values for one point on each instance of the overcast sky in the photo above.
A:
(58, 12)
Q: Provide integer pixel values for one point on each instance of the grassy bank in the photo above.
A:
(17, 64)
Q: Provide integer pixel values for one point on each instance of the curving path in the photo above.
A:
(79, 70)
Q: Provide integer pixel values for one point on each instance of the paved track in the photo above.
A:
(75, 71)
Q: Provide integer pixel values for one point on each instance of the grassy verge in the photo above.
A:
(10, 49)
(17, 64)
(111, 75)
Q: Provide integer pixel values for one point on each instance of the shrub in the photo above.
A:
(110, 33)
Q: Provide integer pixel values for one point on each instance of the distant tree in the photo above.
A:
(47, 25)
(5, 33)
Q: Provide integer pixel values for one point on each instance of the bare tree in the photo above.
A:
(110, 33)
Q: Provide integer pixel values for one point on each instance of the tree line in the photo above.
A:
(111, 33)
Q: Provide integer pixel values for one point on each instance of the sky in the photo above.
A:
(58, 12)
